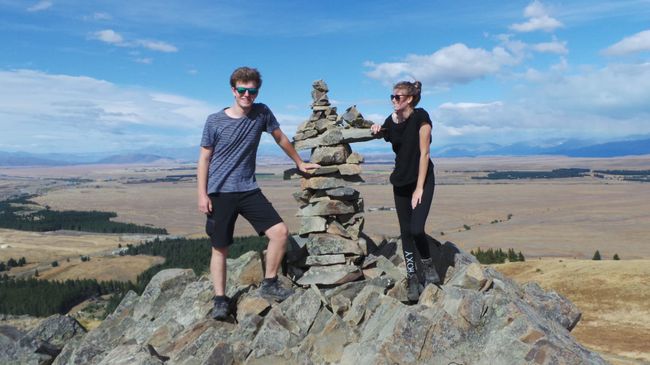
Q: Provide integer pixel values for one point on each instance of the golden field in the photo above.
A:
(612, 295)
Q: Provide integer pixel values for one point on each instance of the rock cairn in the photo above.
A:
(331, 211)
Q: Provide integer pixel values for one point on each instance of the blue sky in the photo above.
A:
(101, 76)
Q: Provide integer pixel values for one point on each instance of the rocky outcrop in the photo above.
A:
(477, 316)
(40, 345)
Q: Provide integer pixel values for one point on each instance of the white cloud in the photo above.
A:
(108, 36)
(606, 103)
(551, 47)
(157, 45)
(145, 60)
(112, 37)
(40, 6)
(455, 64)
(539, 19)
(639, 42)
(470, 106)
(98, 16)
(85, 114)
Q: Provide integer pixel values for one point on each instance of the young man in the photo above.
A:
(227, 185)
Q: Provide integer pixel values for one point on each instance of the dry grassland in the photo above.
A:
(560, 217)
(120, 268)
(50, 246)
(612, 295)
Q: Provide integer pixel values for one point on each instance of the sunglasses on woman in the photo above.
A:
(397, 97)
(251, 90)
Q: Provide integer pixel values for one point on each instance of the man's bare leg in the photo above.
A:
(277, 236)
(218, 270)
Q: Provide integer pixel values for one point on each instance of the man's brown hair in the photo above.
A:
(245, 74)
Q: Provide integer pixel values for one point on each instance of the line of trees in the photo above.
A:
(14, 216)
(553, 174)
(498, 256)
(43, 297)
(6, 266)
(189, 253)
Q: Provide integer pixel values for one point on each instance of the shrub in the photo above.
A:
(616, 257)
(596, 255)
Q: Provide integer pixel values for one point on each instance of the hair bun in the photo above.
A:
(418, 85)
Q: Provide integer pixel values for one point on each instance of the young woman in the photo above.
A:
(408, 129)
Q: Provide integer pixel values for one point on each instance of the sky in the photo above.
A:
(103, 76)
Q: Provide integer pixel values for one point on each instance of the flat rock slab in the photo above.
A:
(329, 182)
(330, 275)
(324, 260)
(327, 244)
(327, 207)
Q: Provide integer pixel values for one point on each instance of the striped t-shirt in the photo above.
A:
(234, 142)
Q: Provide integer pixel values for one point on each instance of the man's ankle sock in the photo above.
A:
(270, 280)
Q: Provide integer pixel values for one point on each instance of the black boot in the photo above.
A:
(413, 288)
(430, 272)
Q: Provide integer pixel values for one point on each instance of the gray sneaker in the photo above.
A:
(220, 311)
(413, 288)
(430, 272)
(272, 289)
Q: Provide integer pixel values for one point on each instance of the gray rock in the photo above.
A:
(312, 224)
(552, 305)
(329, 182)
(336, 228)
(330, 275)
(324, 260)
(328, 138)
(356, 135)
(330, 155)
(327, 207)
(354, 158)
(320, 85)
(344, 193)
(57, 330)
(327, 244)
(349, 169)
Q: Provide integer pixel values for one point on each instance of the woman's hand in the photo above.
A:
(375, 128)
(417, 197)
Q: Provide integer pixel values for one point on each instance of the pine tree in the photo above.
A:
(596, 256)
(520, 257)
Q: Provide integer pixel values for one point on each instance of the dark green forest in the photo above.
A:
(44, 298)
(13, 215)
(554, 174)
(491, 256)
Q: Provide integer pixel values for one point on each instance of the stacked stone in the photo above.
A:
(331, 212)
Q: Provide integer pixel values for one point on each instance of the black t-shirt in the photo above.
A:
(405, 139)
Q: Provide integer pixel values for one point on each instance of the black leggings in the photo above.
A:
(412, 221)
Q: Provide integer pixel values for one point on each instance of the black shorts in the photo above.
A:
(226, 207)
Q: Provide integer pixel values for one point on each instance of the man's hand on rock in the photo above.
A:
(304, 166)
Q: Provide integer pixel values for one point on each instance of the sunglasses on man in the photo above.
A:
(243, 90)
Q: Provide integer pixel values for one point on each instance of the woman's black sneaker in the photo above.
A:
(413, 288)
(430, 273)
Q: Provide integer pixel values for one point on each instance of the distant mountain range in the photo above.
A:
(269, 154)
